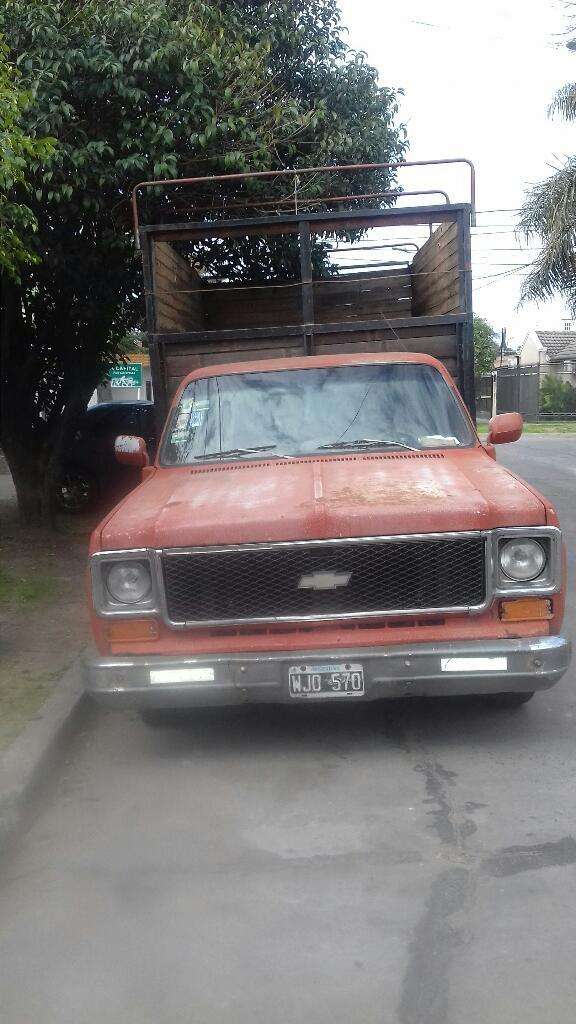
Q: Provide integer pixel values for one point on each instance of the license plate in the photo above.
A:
(322, 681)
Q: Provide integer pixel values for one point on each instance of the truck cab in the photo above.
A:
(323, 525)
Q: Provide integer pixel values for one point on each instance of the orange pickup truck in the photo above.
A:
(323, 525)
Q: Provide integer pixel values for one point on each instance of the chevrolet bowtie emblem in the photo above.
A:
(324, 580)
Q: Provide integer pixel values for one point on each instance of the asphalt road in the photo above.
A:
(396, 864)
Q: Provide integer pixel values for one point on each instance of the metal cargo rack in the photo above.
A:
(418, 301)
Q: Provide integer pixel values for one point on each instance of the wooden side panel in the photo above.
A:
(181, 359)
(252, 305)
(439, 341)
(366, 296)
(177, 298)
(436, 274)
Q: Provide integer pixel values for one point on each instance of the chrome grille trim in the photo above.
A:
(331, 616)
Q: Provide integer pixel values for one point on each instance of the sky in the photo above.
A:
(478, 78)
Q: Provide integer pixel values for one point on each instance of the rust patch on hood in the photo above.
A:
(405, 493)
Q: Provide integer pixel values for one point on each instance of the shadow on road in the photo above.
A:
(283, 729)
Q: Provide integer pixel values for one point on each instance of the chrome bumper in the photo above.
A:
(420, 671)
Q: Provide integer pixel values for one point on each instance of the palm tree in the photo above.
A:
(549, 213)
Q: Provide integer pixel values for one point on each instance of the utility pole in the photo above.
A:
(502, 344)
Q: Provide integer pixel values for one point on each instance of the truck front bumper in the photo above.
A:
(423, 670)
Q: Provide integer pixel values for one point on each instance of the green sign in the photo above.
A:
(129, 376)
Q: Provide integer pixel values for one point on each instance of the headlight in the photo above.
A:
(522, 559)
(128, 582)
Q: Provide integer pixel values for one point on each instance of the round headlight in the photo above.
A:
(129, 582)
(522, 559)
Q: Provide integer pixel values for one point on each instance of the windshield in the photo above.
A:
(286, 413)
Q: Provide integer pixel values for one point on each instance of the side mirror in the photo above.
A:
(131, 451)
(505, 428)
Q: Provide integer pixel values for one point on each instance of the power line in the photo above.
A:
(514, 248)
(492, 277)
(511, 227)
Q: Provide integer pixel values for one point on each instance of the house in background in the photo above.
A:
(508, 357)
(553, 351)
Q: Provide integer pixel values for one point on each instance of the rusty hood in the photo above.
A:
(314, 498)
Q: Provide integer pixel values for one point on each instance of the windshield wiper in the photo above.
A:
(368, 442)
(238, 452)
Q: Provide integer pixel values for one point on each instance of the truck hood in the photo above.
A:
(315, 498)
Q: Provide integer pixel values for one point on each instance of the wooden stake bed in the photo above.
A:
(421, 305)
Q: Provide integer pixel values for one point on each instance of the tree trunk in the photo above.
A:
(26, 468)
(35, 435)
(21, 443)
(50, 476)
(49, 484)
(35, 474)
(35, 463)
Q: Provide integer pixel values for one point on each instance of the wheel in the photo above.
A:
(76, 491)
(509, 700)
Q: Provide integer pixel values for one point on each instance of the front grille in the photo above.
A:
(268, 583)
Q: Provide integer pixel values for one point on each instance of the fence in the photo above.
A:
(513, 389)
(484, 396)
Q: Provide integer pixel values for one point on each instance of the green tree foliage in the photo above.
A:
(485, 347)
(140, 89)
(310, 60)
(17, 152)
(557, 397)
(355, 121)
(549, 211)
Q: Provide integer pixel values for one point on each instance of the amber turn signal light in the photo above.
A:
(127, 630)
(526, 609)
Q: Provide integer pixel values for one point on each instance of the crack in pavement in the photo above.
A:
(442, 929)
(425, 990)
(445, 821)
(511, 860)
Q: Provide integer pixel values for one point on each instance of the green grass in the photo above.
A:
(25, 591)
(20, 702)
(23, 689)
(547, 427)
(22, 694)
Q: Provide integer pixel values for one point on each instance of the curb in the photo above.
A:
(24, 765)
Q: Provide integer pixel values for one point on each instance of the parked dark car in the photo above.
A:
(91, 475)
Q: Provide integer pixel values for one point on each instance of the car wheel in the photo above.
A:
(509, 700)
(76, 491)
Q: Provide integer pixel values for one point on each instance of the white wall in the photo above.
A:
(532, 351)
